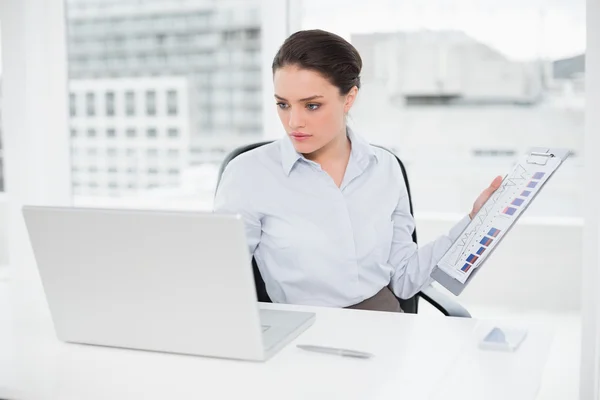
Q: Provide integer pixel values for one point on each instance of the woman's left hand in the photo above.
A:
(485, 195)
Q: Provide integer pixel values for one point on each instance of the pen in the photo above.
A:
(336, 351)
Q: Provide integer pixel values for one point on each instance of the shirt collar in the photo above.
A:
(361, 151)
(289, 155)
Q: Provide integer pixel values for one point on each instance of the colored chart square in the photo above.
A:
(480, 251)
(525, 193)
(517, 202)
(486, 241)
(472, 258)
(509, 210)
(465, 267)
(532, 184)
(538, 175)
(493, 232)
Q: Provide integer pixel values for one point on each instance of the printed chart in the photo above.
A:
(496, 216)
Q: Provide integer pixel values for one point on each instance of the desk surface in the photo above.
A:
(416, 357)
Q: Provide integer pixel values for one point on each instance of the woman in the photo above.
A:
(327, 215)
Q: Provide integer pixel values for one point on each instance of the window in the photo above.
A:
(183, 39)
(134, 77)
(110, 104)
(73, 132)
(152, 171)
(92, 151)
(173, 171)
(112, 170)
(142, 59)
(160, 39)
(93, 169)
(173, 153)
(252, 33)
(443, 83)
(113, 185)
(171, 102)
(111, 151)
(72, 104)
(90, 104)
(129, 104)
(152, 152)
(162, 59)
(131, 170)
(231, 36)
(151, 102)
(91, 132)
(117, 40)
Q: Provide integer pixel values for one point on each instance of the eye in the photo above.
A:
(313, 106)
(283, 106)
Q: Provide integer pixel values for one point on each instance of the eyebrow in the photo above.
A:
(304, 99)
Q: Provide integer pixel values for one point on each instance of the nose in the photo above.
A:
(296, 119)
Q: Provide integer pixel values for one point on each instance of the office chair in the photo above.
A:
(443, 303)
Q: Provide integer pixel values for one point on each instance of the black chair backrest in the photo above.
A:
(407, 305)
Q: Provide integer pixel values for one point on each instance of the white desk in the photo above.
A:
(416, 358)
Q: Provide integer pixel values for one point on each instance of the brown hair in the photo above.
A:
(323, 52)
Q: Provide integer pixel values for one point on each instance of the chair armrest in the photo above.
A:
(444, 303)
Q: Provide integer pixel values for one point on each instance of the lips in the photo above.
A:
(299, 135)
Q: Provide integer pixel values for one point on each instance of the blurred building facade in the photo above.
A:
(446, 67)
(214, 45)
(128, 134)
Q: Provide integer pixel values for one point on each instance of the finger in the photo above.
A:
(496, 182)
(487, 192)
(493, 186)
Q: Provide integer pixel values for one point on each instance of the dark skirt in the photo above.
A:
(384, 300)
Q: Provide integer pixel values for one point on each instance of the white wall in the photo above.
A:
(36, 137)
(590, 360)
(3, 231)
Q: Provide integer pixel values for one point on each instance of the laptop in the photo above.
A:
(176, 282)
